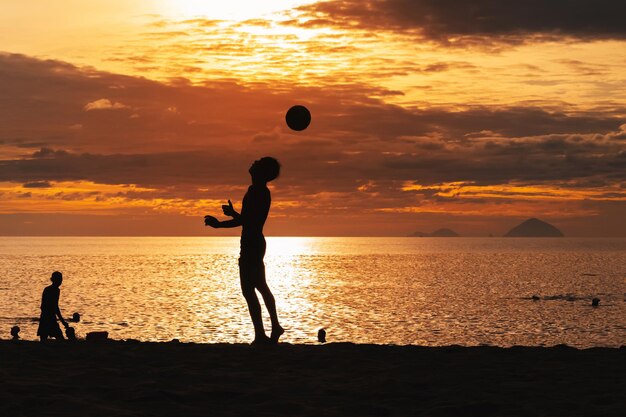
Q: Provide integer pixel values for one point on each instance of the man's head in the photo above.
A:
(265, 169)
(57, 278)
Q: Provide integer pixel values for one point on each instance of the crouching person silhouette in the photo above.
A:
(254, 211)
(48, 326)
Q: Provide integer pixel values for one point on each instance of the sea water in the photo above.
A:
(422, 291)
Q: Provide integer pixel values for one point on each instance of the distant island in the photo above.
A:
(436, 233)
(534, 228)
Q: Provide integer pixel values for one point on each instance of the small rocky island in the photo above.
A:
(534, 228)
(436, 233)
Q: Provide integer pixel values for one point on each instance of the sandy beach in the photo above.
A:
(165, 379)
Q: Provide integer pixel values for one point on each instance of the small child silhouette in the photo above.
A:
(48, 326)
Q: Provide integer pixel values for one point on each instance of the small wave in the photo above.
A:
(20, 319)
(561, 297)
(565, 297)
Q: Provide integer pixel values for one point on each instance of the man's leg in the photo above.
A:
(246, 275)
(270, 304)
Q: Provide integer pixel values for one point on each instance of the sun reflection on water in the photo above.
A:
(287, 277)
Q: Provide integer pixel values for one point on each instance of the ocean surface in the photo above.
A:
(422, 291)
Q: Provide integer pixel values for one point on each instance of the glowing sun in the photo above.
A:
(231, 10)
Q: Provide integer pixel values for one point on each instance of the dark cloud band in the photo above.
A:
(442, 20)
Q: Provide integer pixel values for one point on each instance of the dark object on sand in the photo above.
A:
(75, 318)
(535, 298)
(321, 336)
(97, 336)
(595, 302)
(15, 332)
(70, 333)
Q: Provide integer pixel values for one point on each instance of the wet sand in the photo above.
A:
(169, 379)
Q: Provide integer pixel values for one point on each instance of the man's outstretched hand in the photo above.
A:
(211, 221)
(229, 210)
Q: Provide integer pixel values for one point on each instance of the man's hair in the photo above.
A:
(56, 275)
(269, 168)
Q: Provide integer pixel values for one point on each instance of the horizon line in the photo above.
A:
(335, 236)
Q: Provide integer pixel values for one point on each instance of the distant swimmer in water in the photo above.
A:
(48, 326)
(254, 211)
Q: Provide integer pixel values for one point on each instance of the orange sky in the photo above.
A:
(140, 117)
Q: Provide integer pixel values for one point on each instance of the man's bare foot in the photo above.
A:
(277, 332)
(261, 341)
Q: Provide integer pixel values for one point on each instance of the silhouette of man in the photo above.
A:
(48, 326)
(254, 211)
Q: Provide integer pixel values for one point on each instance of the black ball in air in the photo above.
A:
(298, 118)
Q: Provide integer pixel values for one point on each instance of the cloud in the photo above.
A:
(410, 67)
(482, 160)
(48, 153)
(448, 20)
(37, 184)
(216, 131)
(361, 158)
(104, 104)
